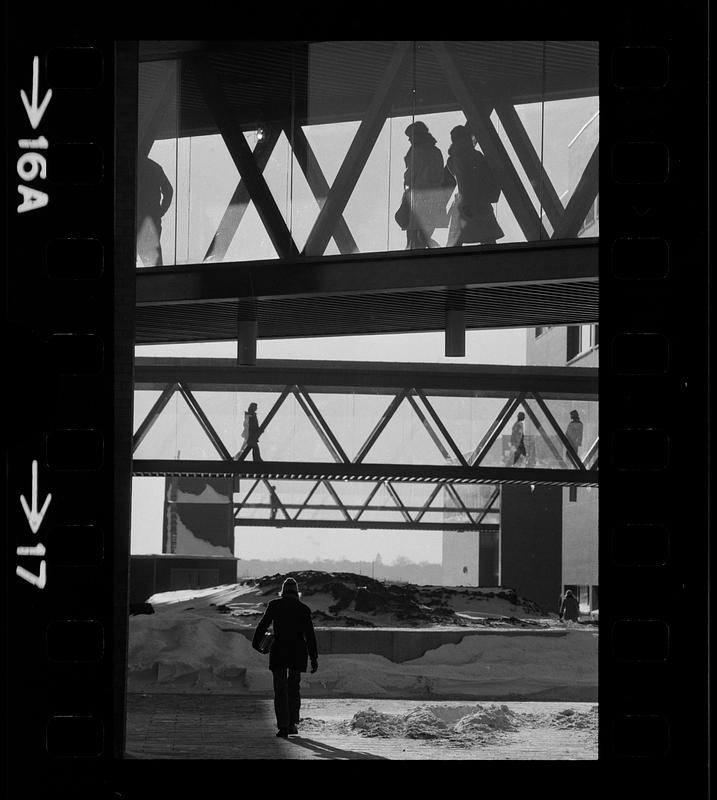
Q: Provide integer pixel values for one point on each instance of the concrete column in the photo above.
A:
(247, 327)
(455, 332)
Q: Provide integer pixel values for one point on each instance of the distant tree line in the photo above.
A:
(402, 570)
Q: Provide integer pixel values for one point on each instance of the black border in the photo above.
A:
(676, 402)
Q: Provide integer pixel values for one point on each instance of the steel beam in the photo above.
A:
(357, 377)
(474, 266)
(410, 473)
(383, 526)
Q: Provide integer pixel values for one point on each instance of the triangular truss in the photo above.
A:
(382, 507)
(332, 199)
(414, 397)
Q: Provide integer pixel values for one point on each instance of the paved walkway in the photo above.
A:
(202, 726)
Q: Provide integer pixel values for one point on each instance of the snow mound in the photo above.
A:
(488, 720)
(575, 720)
(436, 722)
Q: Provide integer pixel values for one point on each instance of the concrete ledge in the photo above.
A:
(398, 644)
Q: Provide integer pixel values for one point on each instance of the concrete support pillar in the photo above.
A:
(455, 332)
(247, 327)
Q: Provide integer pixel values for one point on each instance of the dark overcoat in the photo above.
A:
(423, 180)
(251, 428)
(294, 637)
(471, 215)
(569, 608)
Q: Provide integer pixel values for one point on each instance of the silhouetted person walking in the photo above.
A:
(471, 216)
(273, 502)
(154, 196)
(250, 432)
(517, 438)
(574, 431)
(423, 207)
(293, 646)
(569, 608)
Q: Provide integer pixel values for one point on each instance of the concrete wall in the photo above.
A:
(460, 558)
(149, 574)
(397, 645)
(531, 543)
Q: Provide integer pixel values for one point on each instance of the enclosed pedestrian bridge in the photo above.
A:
(287, 163)
(362, 445)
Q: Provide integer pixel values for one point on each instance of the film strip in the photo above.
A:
(71, 126)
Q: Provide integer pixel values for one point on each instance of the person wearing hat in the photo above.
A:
(250, 432)
(574, 431)
(423, 198)
(517, 438)
(293, 646)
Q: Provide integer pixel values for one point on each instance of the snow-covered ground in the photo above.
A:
(193, 643)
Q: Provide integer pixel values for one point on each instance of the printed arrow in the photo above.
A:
(33, 516)
(35, 112)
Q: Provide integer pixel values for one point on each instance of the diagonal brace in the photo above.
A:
(151, 417)
(230, 130)
(569, 449)
(358, 152)
(201, 417)
(583, 197)
(495, 429)
(441, 427)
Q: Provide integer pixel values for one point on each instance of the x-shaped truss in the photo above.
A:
(455, 516)
(332, 200)
(418, 400)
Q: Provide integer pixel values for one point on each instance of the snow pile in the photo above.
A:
(569, 718)
(488, 720)
(437, 722)
(177, 651)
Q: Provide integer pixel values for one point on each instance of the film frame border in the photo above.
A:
(638, 651)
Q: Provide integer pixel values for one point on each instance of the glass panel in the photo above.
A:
(571, 126)
(275, 149)
(157, 162)
(143, 403)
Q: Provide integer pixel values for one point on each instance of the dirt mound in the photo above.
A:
(356, 599)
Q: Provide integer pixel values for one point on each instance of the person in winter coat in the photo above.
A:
(574, 431)
(471, 216)
(293, 646)
(569, 609)
(250, 433)
(422, 183)
(517, 438)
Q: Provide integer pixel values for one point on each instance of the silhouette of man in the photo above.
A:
(574, 431)
(274, 501)
(250, 433)
(517, 438)
(293, 645)
(154, 196)
(569, 608)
